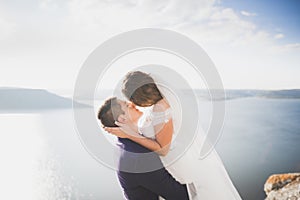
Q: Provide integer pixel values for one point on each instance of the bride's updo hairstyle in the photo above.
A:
(140, 88)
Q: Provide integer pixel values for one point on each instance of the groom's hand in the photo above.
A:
(127, 126)
(116, 131)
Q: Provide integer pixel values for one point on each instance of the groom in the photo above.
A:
(137, 179)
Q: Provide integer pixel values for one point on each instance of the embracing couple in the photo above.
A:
(145, 139)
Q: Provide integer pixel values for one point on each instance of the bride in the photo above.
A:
(207, 178)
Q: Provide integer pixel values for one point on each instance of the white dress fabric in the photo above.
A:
(208, 175)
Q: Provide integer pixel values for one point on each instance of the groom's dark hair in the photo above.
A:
(140, 88)
(109, 112)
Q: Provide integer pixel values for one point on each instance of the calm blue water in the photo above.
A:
(260, 137)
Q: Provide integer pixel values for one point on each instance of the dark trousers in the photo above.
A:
(151, 185)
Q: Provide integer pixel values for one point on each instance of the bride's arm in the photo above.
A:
(161, 144)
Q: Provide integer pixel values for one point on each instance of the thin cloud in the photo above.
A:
(279, 36)
(47, 4)
(211, 22)
(235, 43)
(292, 46)
(6, 28)
(248, 14)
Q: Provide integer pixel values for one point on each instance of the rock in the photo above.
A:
(283, 187)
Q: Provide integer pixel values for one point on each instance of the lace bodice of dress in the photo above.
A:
(150, 119)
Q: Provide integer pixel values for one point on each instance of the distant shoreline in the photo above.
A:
(27, 100)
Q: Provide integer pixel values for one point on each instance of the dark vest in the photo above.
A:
(135, 158)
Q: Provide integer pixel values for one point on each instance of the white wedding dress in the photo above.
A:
(208, 175)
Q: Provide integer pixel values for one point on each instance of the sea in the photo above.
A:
(42, 156)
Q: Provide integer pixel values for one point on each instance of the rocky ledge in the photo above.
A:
(283, 187)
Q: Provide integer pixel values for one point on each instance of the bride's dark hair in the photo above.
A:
(141, 89)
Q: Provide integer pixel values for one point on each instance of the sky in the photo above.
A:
(283, 17)
(254, 44)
